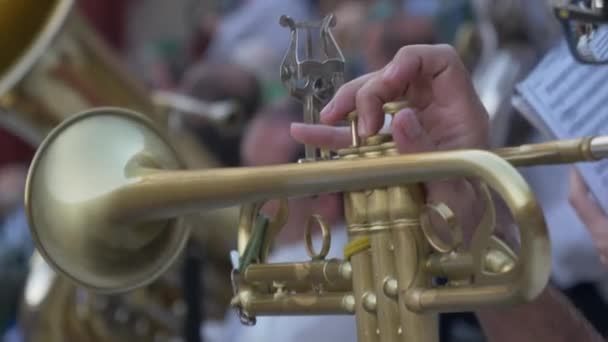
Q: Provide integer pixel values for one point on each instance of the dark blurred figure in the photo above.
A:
(220, 82)
(267, 140)
(109, 18)
(386, 36)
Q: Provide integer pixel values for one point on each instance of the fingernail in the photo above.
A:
(328, 109)
(391, 71)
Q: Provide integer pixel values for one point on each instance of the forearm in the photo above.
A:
(551, 317)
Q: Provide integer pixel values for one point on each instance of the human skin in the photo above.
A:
(445, 114)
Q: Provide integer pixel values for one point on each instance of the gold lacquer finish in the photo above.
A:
(54, 66)
(104, 196)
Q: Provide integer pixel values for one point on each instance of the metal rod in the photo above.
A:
(325, 272)
(170, 193)
(556, 152)
(404, 204)
(301, 304)
(309, 117)
(383, 260)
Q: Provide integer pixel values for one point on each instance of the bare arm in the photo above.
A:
(551, 317)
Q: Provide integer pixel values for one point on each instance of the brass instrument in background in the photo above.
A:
(107, 213)
(53, 65)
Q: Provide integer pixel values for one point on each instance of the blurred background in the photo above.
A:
(229, 51)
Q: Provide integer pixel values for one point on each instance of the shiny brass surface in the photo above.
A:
(54, 66)
(52, 194)
(105, 191)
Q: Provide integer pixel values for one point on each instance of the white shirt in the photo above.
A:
(574, 257)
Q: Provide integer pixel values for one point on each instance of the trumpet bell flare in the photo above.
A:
(69, 201)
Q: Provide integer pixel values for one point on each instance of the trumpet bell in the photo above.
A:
(78, 167)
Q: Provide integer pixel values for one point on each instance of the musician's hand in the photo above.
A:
(590, 213)
(446, 114)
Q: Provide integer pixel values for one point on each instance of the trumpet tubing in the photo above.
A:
(106, 213)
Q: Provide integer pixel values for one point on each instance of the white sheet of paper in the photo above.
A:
(567, 99)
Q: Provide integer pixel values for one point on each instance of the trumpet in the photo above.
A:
(106, 198)
(108, 213)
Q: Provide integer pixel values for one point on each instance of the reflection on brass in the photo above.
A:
(53, 65)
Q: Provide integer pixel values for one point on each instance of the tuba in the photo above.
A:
(109, 215)
(52, 66)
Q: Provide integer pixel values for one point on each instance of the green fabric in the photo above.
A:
(254, 245)
(273, 91)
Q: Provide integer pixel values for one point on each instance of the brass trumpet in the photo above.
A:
(105, 195)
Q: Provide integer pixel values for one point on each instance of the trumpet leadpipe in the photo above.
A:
(556, 152)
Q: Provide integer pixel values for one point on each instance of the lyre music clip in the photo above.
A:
(312, 79)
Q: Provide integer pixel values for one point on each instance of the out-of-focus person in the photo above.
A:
(211, 82)
(268, 142)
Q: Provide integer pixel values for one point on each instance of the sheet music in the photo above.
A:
(599, 42)
(567, 99)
